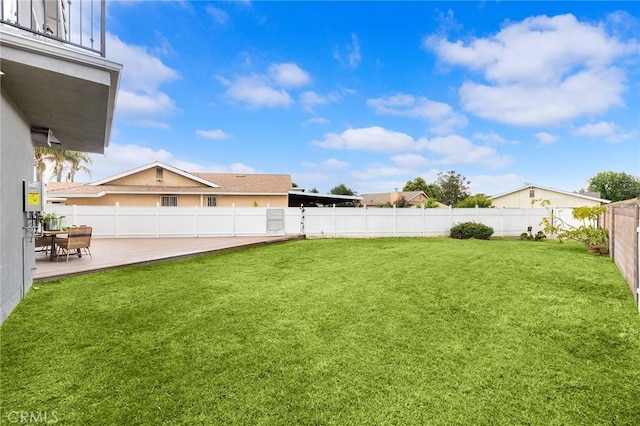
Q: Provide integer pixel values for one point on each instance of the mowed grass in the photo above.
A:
(381, 331)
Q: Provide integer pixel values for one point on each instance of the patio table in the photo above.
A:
(54, 235)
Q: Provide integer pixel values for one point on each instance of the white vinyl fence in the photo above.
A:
(127, 222)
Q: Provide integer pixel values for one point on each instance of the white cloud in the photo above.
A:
(540, 71)
(375, 171)
(333, 163)
(586, 93)
(155, 104)
(609, 131)
(316, 120)
(162, 125)
(267, 90)
(120, 158)
(492, 138)
(351, 51)
(141, 71)
(619, 137)
(140, 99)
(289, 75)
(212, 134)
(601, 129)
(546, 138)
(440, 115)
(354, 52)
(455, 149)
(452, 149)
(495, 184)
(219, 16)
(410, 161)
(256, 92)
(374, 138)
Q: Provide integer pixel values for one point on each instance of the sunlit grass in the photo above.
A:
(383, 331)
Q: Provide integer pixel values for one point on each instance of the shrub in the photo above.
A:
(471, 230)
(528, 236)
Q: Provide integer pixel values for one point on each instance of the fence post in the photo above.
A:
(157, 220)
(365, 221)
(637, 257)
(197, 221)
(233, 214)
(450, 218)
(502, 220)
(424, 216)
(335, 221)
(394, 220)
(74, 217)
(117, 217)
(612, 234)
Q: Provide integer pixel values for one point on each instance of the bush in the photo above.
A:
(528, 236)
(471, 230)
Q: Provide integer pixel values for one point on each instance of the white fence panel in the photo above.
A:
(216, 222)
(115, 221)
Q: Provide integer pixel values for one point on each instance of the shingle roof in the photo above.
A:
(262, 183)
(228, 182)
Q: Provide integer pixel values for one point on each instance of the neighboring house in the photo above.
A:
(386, 199)
(159, 184)
(533, 196)
(56, 91)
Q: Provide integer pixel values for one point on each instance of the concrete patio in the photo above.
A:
(109, 253)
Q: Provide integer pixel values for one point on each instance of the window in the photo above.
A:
(212, 201)
(169, 201)
(159, 171)
(532, 193)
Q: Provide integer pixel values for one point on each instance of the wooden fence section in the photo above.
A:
(621, 220)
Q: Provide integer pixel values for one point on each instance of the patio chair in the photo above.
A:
(43, 244)
(78, 239)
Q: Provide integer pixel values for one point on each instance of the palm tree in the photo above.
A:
(62, 160)
(59, 159)
(75, 160)
(40, 157)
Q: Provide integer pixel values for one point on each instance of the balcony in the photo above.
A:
(79, 23)
(53, 67)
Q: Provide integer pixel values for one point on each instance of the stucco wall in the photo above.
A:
(521, 199)
(148, 177)
(16, 166)
(150, 200)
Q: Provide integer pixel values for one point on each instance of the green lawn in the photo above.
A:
(382, 331)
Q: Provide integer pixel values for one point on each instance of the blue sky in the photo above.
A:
(373, 94)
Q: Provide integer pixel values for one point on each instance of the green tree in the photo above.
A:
(480, 200)
(40, 155)
(615, 186)
(314, 190)
(342, 189)
(76, 161)
(453, 187)
(62, 160)
(419, 184)
(431, 203)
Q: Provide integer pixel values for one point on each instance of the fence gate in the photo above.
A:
(275, 222)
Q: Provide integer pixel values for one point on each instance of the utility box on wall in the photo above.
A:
(32, 196)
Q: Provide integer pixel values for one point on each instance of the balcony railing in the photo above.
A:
(79, 23)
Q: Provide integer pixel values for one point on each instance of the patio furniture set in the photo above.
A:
(55, 243)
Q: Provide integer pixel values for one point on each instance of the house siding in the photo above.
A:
(16, 246)
(521, 199)
(184, 200)
(148, 177)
